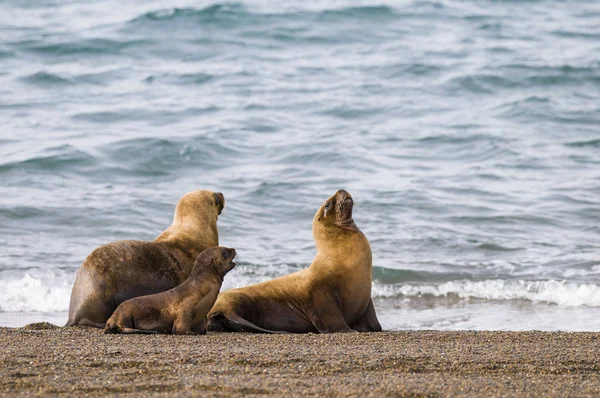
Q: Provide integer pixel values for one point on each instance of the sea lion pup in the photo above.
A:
(181, 310)
(332, 295)
(125, 269)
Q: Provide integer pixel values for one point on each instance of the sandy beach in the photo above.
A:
(41, 359)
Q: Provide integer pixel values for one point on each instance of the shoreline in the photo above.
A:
(44, 359)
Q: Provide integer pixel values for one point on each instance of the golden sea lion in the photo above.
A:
(332, 295)
(125, 269)
(181, 310)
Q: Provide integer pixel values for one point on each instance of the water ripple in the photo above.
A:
(467, 133)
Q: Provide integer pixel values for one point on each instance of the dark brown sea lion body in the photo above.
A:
(181, 310)
(332, 295)
(122, 270)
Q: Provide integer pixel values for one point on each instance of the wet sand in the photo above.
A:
(84, 361)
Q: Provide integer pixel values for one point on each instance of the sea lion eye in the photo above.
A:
(211, 202)
(327, 205)
(224, 252)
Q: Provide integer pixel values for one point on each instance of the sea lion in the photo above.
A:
(125, 269)
(332, 295)
(181, 310)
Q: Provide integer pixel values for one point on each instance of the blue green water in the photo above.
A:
(468, 133)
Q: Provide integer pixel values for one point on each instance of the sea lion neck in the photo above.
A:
(192, 236)
(336, 237)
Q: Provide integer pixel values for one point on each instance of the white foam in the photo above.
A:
(35, 293)
(563, 293)
(39, 291)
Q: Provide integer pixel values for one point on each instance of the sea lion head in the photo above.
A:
(195, 220)
(218, 260)
(336, 211)
(223, 260)
(202, 202)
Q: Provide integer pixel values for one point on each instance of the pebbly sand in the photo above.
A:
(41, 359)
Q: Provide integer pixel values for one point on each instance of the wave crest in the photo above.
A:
(35, 294)
(562, 293)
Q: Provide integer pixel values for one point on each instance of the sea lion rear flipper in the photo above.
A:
(239, 324)
(112, 328)
(137, 331)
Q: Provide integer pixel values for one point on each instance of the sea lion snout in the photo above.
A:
(342, 193)
(341, 204)
(344, 203)
(343, 198)
(219, 201)
(227, 256)
(231, 253)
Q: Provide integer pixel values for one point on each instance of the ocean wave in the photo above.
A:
(525, 75)
(223, 14)
(61, 158)
(217, 14)
(389, 276)
(181, 79)
(154, 156)
(6, 54)
(562, 293)
(581, 144)
(361, 12)
(479, 83)
(211, 11)
(33, 293)
(46, 79)
(157, 116)
(87, 47)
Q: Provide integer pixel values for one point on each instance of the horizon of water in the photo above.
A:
(467, 132)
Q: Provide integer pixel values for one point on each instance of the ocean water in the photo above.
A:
(468, 133)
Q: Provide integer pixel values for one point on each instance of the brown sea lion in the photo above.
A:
(332, 295)
(181, 310)
(125, 269)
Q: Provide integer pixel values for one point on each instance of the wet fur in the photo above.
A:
(122, 270)
(332, 295)
(181, 310)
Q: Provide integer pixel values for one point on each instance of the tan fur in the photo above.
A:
(181, 310)
(195, 221)
(122, 270)
(332, 295)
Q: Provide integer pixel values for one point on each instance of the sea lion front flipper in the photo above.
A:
(326, 315)
(368, 322)
(200, 327)
(183, 323)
